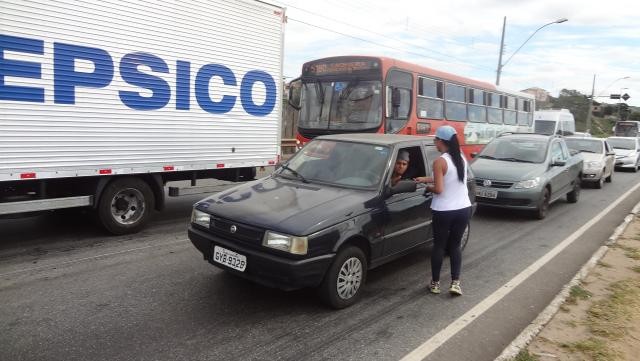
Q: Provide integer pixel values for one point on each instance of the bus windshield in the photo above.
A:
(341, 105)
(627, 129)
(546, 127)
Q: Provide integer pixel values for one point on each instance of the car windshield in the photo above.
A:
(585, 145)
(516, 150)
(341, 105)
(547, 127)
(620, 143)
(339, 163)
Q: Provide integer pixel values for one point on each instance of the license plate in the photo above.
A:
(486, 193)
(229, 258)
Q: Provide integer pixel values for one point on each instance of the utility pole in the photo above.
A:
(504, 24)
(593, 88)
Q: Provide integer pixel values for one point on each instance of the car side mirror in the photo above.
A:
(403, 186)
(558, 163)
(613, 153)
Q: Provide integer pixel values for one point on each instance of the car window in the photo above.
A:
(565, 150)
(585, 145)
(556, 152)
(415, 165)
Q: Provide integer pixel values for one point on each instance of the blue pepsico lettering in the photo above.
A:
(67, 79)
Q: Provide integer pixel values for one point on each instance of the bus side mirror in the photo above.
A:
(295, 87)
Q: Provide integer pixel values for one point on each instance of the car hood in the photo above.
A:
(506, 171)
(592, 157)
(624, 152)
(288, 206)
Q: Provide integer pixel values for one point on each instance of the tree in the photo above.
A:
(634, 116)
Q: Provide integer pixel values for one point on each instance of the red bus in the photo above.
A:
(383, 95)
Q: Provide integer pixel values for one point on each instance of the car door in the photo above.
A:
(609, 159)
(408, 215)
(558, 175)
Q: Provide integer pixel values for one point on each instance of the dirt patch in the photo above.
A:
(600, 320)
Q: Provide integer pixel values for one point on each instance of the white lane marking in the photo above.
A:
(92, 257)
(463, 321)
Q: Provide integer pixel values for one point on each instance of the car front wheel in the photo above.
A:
(342, 285)
(543, 204)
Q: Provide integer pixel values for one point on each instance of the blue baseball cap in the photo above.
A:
(445, 132)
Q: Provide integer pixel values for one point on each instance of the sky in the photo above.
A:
(463, 37)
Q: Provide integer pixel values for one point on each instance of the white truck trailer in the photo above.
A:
(104, 102)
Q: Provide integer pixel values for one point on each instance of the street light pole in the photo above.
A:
(504, 24)
(500, 65)
(593, 88)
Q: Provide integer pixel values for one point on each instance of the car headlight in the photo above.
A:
(594, 165)
(200, 218)
(531, 183)
(291, 244)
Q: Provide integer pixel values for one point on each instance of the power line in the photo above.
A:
(381, 35)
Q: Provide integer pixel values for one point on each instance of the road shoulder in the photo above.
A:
(601, 317)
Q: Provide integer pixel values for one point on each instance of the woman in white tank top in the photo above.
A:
(450, 206)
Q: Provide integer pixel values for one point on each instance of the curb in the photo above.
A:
(545, 316)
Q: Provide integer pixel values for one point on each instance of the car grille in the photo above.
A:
(243, 233)
(494, 183)
(505, 201)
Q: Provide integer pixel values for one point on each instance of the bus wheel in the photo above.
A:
(125, 205)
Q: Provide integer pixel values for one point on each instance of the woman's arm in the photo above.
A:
(439, 170)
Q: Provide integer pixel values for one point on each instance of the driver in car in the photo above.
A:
(402, 163)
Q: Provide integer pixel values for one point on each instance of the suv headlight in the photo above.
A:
(200, 218)
(531, 183)
(291, 244)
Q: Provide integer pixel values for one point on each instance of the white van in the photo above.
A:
(554, 121)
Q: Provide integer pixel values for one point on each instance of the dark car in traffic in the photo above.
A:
(527, 171)
(324, 217)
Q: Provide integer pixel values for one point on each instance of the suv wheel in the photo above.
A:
(342, 285)
(543, 204)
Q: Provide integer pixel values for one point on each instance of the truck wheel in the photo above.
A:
(125, 205)
(543, 204)
(572, 197)
(343, 282)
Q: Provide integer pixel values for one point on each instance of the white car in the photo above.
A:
(627, 151)
(598, 156)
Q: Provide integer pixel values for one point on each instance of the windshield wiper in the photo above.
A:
(588, 151)
(295, 173)
(486, 156)
(515, 160)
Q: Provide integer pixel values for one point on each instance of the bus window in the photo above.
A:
(477, 113)
(510, 117)
(399, 85)
(494, 115)
(455, 109)
(429, 101)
